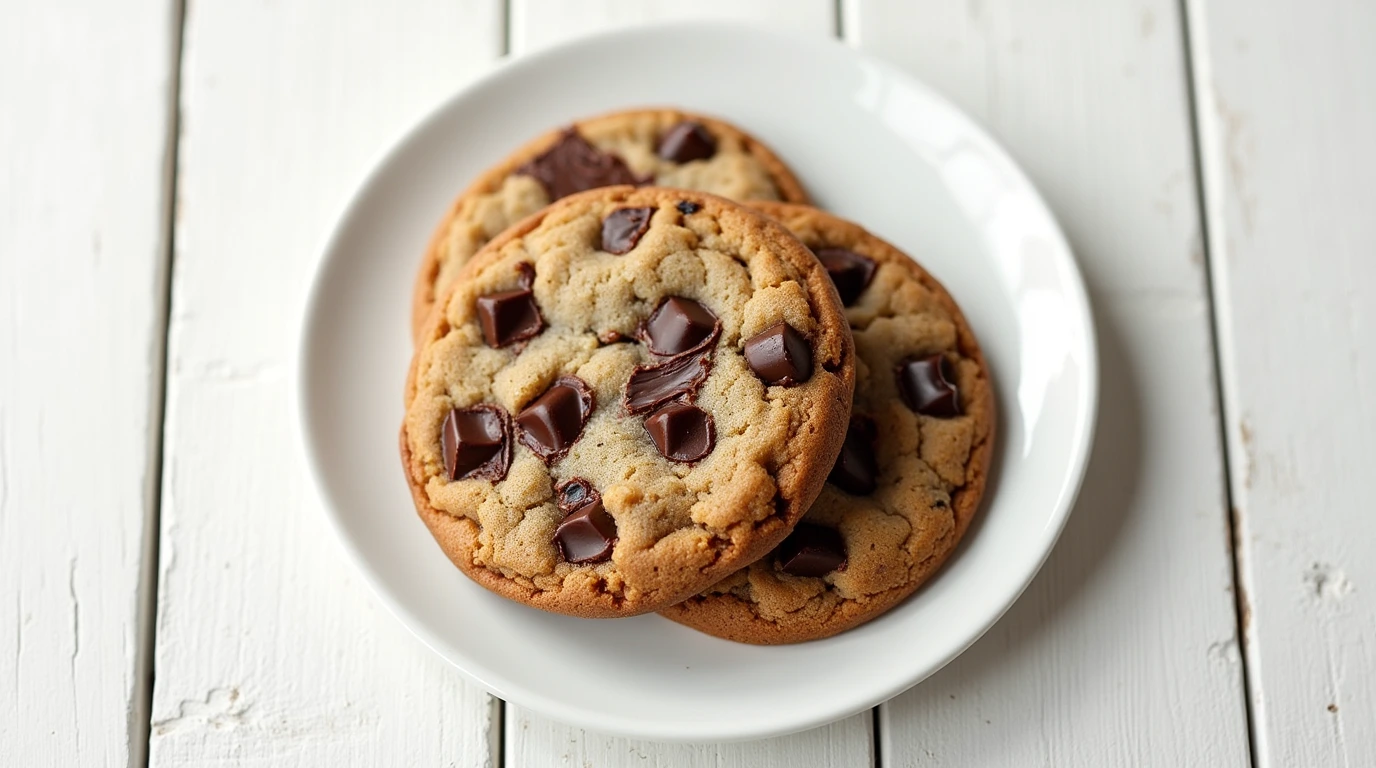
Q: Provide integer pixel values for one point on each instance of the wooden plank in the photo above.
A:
(536, 741)
(538, 23)
(85, 88)
(1123, 651)
(530, 739)
(1287, 112)
(269, 649)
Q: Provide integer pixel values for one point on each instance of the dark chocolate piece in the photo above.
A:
(509, 316)
(926, 386)
(857, 470)
(850, 272)
(651, 386)
(476, 443)
(779, 355)
(526, 270)
(551, 424)
(623, 228)
(686, 142)
(574, 493)
(812, 550)
(688, 207)
(681, 432)
(679, 325)
(587, 535)
(573, 165)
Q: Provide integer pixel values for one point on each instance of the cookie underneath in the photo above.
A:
(666, 147)
(912, 472)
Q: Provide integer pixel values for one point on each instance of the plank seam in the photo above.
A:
(496, 725)
(1196, 67)
(876, 748)
(140, 730)
(505, 34)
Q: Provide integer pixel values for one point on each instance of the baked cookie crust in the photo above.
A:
(679, 525)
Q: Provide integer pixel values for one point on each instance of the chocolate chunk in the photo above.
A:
(681, 432)
(925, 384)
(587, 535)
(686, 142)
(688, 207)
(611, 337)
(679, 325)
(651, 386)
(849, 271)
(476, 443)
(573, 165)
(574, 493)
(857, 470)
(623, 228)
(551, 424)
(526, 270)
(509, 316)
(779, 355)
(812, 550)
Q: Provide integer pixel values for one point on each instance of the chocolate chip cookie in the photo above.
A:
(625, 398)
(911, 471)
(665, 147)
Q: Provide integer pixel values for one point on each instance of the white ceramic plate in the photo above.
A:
(870, 144)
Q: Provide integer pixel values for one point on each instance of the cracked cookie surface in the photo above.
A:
(910, 476)
(666, 147)
(584, 431)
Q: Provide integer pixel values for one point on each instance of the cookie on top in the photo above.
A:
(625, 398)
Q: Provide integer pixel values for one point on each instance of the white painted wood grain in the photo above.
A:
(534, 741)
(269, 649)
(538, 23)
(1287, 102)
(83, 130)
(1123, 651)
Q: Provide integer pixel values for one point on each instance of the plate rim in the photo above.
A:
(1083, 429)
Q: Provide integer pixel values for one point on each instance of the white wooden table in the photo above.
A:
(170, 169)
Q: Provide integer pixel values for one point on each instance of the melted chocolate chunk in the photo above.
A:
(687, 207)
(857, 470)
(849, 271)
(812, 550)
(587, 535)
(651, 386)
(509, 316)
(679, 325)
(573, 165)
(551, 424)
(681, 432)
(686, 142)
(476, 443)
(574, 493)
(926, 386)
(623, 228)
(779, 355)
(526, 270)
